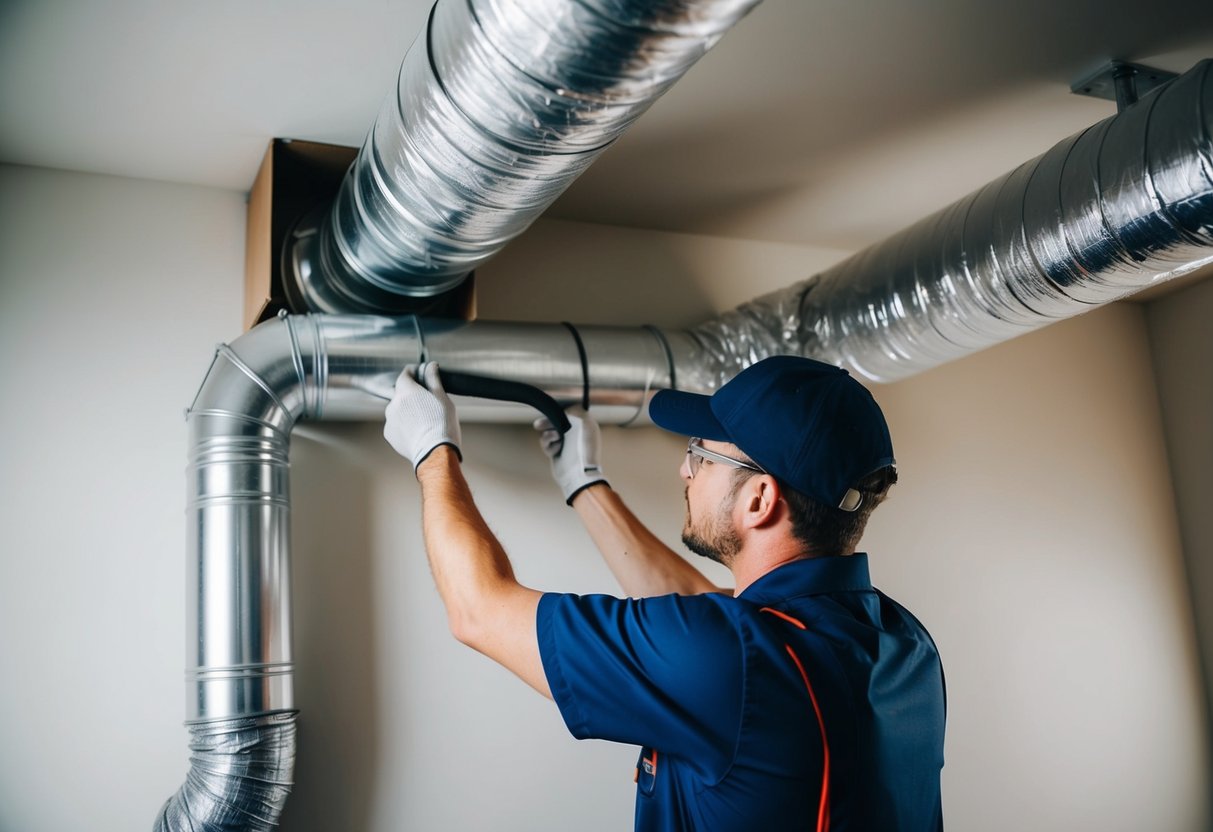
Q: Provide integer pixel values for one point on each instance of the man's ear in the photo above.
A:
(761, 501)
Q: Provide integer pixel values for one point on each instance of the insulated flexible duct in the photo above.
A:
(1121, 206)
(239, 678)
(499, 106)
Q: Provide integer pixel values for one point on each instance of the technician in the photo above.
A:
(803, 699)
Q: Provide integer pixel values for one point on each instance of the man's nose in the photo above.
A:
(684, 470)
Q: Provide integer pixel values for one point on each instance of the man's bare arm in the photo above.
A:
(487, 608)
(643, 565)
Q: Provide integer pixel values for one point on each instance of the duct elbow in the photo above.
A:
(262, 377)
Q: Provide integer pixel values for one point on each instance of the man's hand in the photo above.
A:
(420, 418)
(575, 463)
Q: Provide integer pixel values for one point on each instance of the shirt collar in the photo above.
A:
(811, 576)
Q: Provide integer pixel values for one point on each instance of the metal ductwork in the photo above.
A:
(1123, 205)
(240, 699)
(499, 106)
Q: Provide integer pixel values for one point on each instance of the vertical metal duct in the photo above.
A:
(499, 106)
(1123, 205)
(239, 679)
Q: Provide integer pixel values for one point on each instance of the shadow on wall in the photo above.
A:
(624, 276)
(606, 288)
(334, 629)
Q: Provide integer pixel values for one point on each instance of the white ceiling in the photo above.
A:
(830, 123)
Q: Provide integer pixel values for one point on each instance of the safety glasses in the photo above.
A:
(696, 454)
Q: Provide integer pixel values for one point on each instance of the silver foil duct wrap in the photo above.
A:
(499, 106)
(239, 778)
(1121, 206)
(771, 324)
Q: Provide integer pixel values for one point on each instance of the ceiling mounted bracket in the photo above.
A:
(1122, 82)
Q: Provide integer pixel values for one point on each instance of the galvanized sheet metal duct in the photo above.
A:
(240, 698)
(499, 106)
(342, 367)
(1121, 206)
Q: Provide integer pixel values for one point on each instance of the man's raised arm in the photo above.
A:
(486, 607)
(643, 565)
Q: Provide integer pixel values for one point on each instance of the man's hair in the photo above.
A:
(825, 530)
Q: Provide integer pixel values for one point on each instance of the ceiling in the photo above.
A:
(829, 123)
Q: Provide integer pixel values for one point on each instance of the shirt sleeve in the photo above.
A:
(661, 672)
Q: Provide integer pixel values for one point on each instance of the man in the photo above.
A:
(803, 699)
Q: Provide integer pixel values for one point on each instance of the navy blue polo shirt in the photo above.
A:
(812, 700)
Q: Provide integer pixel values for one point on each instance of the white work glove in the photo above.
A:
(421, 419)
(575, 464)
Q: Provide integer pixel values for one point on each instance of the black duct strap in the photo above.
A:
(669, 354)
(585, 364)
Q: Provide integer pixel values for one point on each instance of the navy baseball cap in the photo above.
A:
(809, 424)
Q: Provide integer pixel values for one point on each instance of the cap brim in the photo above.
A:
(689, 414)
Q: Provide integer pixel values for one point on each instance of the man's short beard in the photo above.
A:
(721, 544)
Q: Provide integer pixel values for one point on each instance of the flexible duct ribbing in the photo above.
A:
(499, 106)
(1121, 206)
(239, 777)
(240, 703)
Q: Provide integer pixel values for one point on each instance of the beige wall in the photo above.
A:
(113, 293)
(1034, 533)
(1181, 341)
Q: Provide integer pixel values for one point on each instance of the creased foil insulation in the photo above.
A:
(1121, 206)
(239, 778)
(499, 106)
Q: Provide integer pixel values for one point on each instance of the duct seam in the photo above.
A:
(297, 362)
(231, 356)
